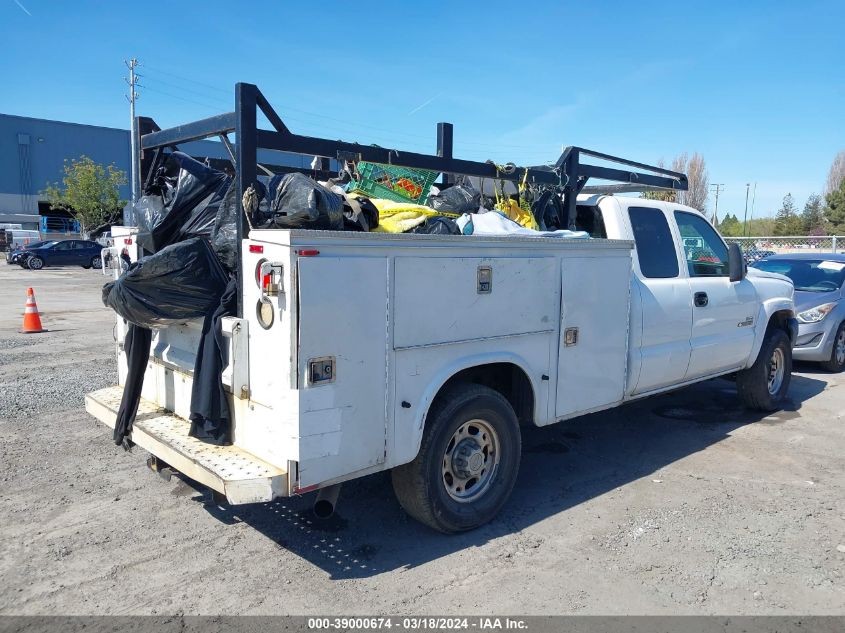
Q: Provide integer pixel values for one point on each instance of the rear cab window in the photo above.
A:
(656, 252)
(589, 218)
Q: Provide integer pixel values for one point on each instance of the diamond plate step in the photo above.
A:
(239, 475)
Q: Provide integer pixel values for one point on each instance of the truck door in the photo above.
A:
(661, 306)
(723, 312)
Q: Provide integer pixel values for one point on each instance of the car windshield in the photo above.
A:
(35, 244)
(808, 275)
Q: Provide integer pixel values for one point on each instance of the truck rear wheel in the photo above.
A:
(764, 385)
(468, 460)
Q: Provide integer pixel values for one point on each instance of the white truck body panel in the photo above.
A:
(367, 328)
(400, 315)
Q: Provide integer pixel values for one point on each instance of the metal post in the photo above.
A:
(246, 155)
(745, 219)
(753, 200)
(834, 244)
(570, 190)
(445, 146)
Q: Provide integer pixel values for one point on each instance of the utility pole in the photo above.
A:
(132, 81)
(745, 219)
(753, 200)
(719, 186)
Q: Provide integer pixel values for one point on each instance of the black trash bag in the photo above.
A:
(210, 416)
(459, 199)
(437, 225)
(182, 281)
(359, 214)
(148, 211)
(186, 205)
(137, 345)
(302, 203)
(200, 222)
(547, 210)
(224, 233)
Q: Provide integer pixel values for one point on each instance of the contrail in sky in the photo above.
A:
(419, 107)
(23, 8)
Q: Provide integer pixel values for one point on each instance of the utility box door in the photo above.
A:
(450, 299)
(342, 365)
(593, 332)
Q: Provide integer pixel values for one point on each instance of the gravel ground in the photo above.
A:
(678, 504)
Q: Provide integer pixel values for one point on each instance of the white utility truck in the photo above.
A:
(425, 354)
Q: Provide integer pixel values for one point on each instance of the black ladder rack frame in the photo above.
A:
(569, 173)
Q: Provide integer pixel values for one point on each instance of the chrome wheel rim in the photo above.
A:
(34, 263)
(839, 348)
(776, 371)
(471, 460)
(96, 262)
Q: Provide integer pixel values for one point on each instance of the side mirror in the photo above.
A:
(736, 263)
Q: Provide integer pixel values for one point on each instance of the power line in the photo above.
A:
(411, 142)
(198, 93)
(193, 81)
(185, 99)
(317, 115)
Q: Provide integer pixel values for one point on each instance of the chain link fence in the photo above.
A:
(759, 247)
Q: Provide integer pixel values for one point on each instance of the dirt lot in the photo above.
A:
(679, 504)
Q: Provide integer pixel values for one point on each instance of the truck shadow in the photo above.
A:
(563, 466)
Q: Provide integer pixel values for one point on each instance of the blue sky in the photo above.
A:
(757, 87)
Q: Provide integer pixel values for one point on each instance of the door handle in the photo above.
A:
(700, 299)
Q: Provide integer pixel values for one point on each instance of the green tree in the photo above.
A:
(834, 211)
(787, 221)
(88, 190)
(760, 227)
(730, 226)
(812, 217)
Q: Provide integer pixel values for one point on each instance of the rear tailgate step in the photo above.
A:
(231, 471)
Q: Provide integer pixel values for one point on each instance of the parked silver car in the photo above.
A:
(818, 279)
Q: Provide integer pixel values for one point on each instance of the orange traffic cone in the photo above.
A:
(31, 319)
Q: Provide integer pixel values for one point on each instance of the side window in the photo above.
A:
(64, 246)
(655, 246)
(706, 253)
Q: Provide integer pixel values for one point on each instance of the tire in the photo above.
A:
(837, 354)
(35, 263)
(764, 385)
(96, 263)
(467, 463)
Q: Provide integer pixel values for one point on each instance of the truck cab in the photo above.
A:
(689, 320)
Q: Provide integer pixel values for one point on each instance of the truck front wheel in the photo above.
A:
(764, 385)
(468, 460)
